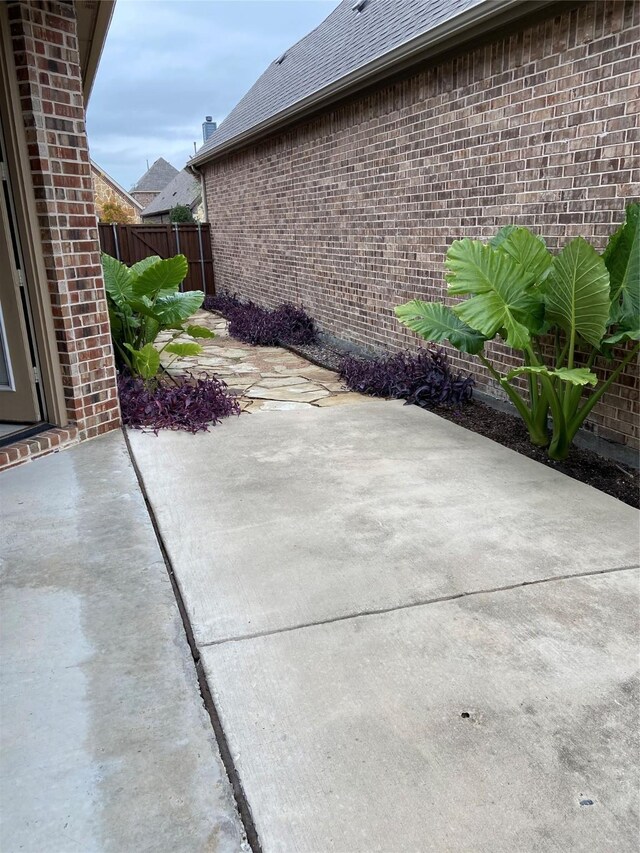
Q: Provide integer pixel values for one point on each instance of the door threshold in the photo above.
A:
(25, 432)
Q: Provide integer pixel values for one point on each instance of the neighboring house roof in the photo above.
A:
(183, 189)
(359, 43)
(156, 177)
(106, 177)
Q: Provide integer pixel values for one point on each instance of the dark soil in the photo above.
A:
(611, 477)
(319, 354)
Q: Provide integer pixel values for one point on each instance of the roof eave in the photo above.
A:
(477, 20)
(92, 19)
(192, 205)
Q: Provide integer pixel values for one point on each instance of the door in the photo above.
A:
(18, 373)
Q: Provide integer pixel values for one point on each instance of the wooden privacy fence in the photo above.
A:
(132, 243)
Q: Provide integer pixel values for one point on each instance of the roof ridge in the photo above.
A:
(157, 175)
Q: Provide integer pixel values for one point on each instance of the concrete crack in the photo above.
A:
(444, 598)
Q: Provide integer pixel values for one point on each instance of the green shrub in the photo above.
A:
(144, 300)
(520, 291)
(181, 213)
(112, 211)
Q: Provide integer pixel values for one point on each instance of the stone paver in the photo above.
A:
(256, 374)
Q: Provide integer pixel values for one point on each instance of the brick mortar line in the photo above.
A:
(425, 603)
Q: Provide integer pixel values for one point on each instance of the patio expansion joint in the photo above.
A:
(426, 602)
(242, 803)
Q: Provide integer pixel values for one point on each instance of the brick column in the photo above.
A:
(46, 56)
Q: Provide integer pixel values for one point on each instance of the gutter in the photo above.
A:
(484, 17)
(99, 19)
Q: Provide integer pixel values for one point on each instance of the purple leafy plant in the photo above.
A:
(424, 378)
(191, 404)
(256, 325)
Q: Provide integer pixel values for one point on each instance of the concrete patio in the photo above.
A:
(415, 638)
(105, 741)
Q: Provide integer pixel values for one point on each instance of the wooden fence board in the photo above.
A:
(132, 243)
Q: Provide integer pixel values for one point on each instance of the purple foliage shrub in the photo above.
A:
(191, 404)
(424, 378)
(253, 324)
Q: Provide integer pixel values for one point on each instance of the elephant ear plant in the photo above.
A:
(560, 312)
(144, 300)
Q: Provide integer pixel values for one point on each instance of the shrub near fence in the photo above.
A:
(132, 243)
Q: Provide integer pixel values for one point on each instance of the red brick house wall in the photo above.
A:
(351, 212)
(45, 47)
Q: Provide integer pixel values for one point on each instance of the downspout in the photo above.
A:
(198, 174)
(205, 209)
(205, 206)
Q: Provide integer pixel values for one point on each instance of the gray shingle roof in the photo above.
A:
(183, 189)
(344, 42)
(156, 177)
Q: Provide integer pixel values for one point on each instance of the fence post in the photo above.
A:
(177, 236)
(115, 240)
(204, 283)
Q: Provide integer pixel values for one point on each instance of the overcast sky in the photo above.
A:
(169, 63)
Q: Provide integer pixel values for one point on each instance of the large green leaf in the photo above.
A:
(139, 267)
(498, 239)
(117, 279)
(530, 251)
(146, 361)
(577, 292)
(115, 320)
(504, 301)
(183, 348)
(151, 330)
(436, 322)
(623, 335)
(199, 332)
(142, 305)
(164, 275)
(177, 307)
(574, 375)
(622, 259)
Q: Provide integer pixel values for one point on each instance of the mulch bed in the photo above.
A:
(318, 354)
(611, 477)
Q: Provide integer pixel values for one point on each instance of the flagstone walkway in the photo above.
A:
(264, 378)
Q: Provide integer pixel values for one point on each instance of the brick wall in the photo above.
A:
(351, 213)
(104, 191)
(46, 57)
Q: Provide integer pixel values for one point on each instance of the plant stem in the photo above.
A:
(518, 402)
(538, 430)
(559, 444)
(583, 412)
(562, 356)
